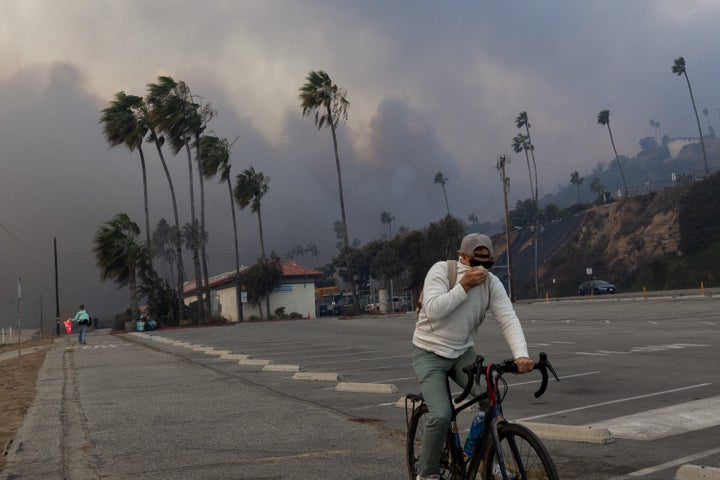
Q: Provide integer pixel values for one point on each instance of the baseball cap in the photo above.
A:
(473, 241)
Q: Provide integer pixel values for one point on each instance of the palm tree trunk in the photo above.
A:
(238, 280)
(346, 242)
(132, 286)
(203, 252)
(195, 250)
(702, 142)
(262, 238)
(447, 205)
(145, 193)
(617, 159)
(178, 245)
(532, 190)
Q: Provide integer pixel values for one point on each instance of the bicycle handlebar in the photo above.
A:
(477, 370)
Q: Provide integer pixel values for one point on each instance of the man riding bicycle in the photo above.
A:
(443, 339)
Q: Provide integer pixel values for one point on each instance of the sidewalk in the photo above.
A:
(118, 409)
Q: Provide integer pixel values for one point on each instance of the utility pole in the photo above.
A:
(501, 161)
(57, 297)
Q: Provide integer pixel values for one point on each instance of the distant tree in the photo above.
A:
(164, 238)
(118, 255)
(521, 143)
(473, 219)
(576, 180)
(656, 129)
(678, 69)
(648, 144)
(329, 102)
(261, 279)
(711, 129)
(250, 187)
(599, 189)
(386, 217)
(523, 121)
(442, 180)
(604, 119)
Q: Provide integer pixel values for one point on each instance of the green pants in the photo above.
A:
(432, 371)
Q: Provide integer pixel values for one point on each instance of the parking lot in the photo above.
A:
(643, 372)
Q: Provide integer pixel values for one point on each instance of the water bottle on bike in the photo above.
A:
(475, 433)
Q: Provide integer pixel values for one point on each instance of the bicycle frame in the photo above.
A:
(460, 465)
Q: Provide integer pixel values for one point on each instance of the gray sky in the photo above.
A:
(434, 86)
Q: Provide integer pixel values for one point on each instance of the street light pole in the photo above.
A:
(501, 161)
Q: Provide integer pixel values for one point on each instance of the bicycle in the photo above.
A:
(520, 455)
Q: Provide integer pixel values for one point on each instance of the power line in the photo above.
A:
(19, 240)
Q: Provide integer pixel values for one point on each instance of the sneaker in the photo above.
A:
(430, 477)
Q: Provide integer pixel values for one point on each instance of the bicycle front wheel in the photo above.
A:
(449, 469)
(526, 458)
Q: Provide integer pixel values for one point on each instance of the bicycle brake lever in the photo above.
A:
(544, 360)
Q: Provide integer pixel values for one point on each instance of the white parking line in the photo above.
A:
(663, 422)
(620, 400)
(666, 465)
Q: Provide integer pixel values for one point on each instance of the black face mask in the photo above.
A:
(487, 264)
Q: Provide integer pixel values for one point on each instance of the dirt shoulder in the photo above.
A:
(18, 376)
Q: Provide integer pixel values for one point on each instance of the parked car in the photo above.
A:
(401, 304)
(325, 307)
(595, 287)
(339, 307)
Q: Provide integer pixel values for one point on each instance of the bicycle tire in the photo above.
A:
(449, 468)
(526, 458)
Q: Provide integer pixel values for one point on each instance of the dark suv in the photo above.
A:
(595, 287)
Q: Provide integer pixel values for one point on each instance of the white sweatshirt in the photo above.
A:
(448, 320)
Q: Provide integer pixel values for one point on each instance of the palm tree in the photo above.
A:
(442, 180)
(175, 115)
(163, 239)
(604, 119)
(387, 217)
(145, 114)
(576, 180)
(678, 69)
(320, 95)
(523, 121)
(520, 144)
(122, 126)
(250, 187)
(119, 255)
(214, 154)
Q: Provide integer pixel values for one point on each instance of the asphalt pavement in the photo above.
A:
(118, 409)
(134, 406)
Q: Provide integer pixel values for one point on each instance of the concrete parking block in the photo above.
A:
(217, 352)
(571, 433)
(281, 368)
(366, 387)
(696, 472)
(317, 376)
(254, 361)
(234, 356)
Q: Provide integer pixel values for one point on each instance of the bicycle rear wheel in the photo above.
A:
(449, 468)
(526, 458)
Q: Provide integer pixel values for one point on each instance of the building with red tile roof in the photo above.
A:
(296, 293)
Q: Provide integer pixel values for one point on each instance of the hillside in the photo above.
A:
(658, 240)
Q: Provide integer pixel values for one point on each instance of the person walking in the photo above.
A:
(83, 320)
(443, 340)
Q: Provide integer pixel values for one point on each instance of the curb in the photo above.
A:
(366, 387)
(571, 433)
(317, 376)
(281, 368)
(696, 472)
